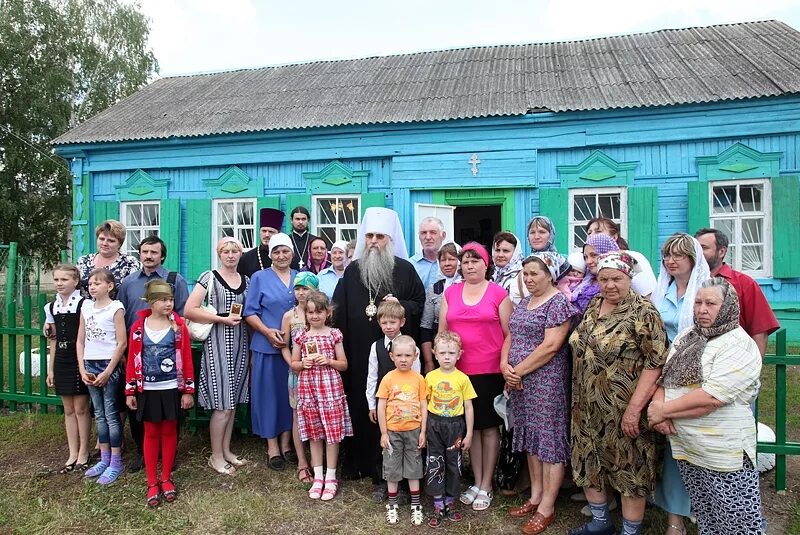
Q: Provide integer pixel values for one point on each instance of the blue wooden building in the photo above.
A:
(663, 132)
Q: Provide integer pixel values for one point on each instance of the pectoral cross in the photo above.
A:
(474, 161)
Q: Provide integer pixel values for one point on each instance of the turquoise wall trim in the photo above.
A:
(738, 162)
(455, 170)
(234, 183)
(142, 187)
(336, 178)
(81, 200)
(597, 171)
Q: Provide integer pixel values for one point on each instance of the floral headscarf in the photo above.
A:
(619, 260)
(684, 367)
(545, 222)
(553, 261)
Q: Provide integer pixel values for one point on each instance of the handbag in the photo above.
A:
(199, 332)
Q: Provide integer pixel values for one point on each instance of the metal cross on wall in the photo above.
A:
(474, 161)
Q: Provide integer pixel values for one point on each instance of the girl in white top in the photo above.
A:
(100, 346)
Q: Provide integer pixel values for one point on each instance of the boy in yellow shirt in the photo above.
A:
(450, 419)
(402, 414)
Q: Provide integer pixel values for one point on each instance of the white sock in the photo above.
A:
(330, 474)
(318, 472)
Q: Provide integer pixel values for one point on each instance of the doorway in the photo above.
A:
(476, 223)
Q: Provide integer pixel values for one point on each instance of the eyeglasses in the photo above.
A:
(674, 256)
(375, 235)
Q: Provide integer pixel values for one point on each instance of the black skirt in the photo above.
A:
(66, 377)
(158, 405)
(487, 386)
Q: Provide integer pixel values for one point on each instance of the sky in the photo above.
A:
(191, 36)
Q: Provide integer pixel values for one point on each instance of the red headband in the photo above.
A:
(478, 248)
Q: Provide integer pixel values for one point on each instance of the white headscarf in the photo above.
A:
(504, 275)
(380, 221)
(279, 239)
(700, 273)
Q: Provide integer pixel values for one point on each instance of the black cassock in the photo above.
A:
(350, 300)
(248, 264)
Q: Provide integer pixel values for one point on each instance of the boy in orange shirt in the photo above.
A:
(402, 417)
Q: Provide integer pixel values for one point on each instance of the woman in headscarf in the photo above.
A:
(683, 270)
(644, 282)
(619, 349)
(535, 365)
(708, 383)
(507, 258)
(541, 237)
(429, 325)
(596, 245)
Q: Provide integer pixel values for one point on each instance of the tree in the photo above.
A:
(61, 61)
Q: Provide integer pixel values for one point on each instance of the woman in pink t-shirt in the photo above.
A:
(479, 311)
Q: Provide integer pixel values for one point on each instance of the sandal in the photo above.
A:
(331, 487)
(469, 495)
(227, 470)
(538, 523)
(482, 501)
(290, 456)
(237, 461)
(315, 492)
(82, 467)
(452, 514)
(153, 500)
(523, 510)
(277, 463)
(304, 475)
(68, 468)
(169, 492)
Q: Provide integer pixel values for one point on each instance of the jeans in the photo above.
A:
(104, 401)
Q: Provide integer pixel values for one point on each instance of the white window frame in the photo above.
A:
(766, 213)
(623, 209)
(123, 217)
(339, 227)
(215, 230)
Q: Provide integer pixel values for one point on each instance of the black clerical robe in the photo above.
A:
(350, 301)
(301, 246)
(248, 264)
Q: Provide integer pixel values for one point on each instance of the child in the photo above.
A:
(294, 322)
(574, 276)
(159, 382)
(450, 418)
(100, 345)
(402, 418)
(391, 318)
(63, 316)
(322, 414)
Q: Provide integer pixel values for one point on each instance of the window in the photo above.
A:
(233, 218)
(141, 219)
(586, 204)
(739, 209)
(336, 217)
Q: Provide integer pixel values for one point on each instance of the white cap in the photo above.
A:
(575, 260)
(279, 239)
(381, 221)
(341, 245)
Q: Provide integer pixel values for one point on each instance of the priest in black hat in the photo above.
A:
(270, 223)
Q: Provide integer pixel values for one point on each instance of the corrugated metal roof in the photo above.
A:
(693, 65)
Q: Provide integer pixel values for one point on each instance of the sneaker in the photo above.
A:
(392, 515)
(437, 519)
(96, 470)
(379, 493)
(110, 475)
(416, 515)
(611, 506)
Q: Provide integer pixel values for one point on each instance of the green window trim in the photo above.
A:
(140, 186)
(198, 248)
(336, 178)
(598, 170)
(233, 184)
(81, 230)
(170, 231)
(738, 162)
(504, 197)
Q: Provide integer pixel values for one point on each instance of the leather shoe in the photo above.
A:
(523, 510)
(538, 523)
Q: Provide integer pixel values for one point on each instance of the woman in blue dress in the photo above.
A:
(269, 297)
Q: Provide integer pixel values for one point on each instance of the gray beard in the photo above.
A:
(376, 267)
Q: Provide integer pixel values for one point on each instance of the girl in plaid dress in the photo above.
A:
(323, 418)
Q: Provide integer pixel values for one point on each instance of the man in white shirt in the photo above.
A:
(426, 262)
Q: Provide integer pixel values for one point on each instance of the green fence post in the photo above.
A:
(780, 412)
(27, 369)
(41, 301)
(11, 273)
(2, 360)
(11, 322)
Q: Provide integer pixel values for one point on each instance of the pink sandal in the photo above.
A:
(331, 487)
(316, 489)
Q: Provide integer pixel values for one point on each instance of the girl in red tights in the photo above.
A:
(159, 383)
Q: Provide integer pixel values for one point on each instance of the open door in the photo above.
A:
(442, 211)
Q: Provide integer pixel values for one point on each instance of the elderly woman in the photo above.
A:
(535, 365)
(479, 310)
(317, 256)
(644, 282)
(683, 270)
(709, 381)
(541, 237)
(110, 236)
(329, 277)
(595, 246)
(429, 324)
(269, 297)
(619, 348)
(507, 257)
(224, 368)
